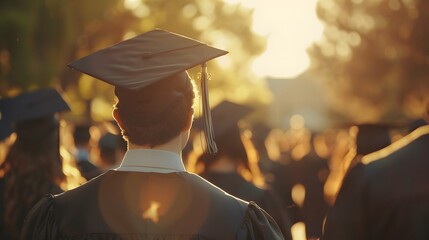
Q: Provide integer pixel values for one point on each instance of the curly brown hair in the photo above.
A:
(157, 113)
(32, 169)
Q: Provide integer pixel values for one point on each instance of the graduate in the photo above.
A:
(386, 195)
(151, 195)
(235, 167)
(82, 138)
(33, 166)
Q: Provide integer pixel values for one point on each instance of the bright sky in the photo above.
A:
(291, 26)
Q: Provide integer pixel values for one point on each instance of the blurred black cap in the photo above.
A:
(29, 106)
(225, 116)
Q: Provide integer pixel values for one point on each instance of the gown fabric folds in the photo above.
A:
(235, 184)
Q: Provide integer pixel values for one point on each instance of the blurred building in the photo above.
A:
(302, 95)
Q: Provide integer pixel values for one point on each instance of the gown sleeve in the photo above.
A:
(40, 221)
(258, 225)
(272, 205)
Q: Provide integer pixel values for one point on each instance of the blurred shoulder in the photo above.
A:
(416, 141)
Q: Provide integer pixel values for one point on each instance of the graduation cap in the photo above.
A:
(29, 106)
(225, 116)
(148, 58)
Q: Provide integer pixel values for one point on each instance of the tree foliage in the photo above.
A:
(374, 56)
(38, 38)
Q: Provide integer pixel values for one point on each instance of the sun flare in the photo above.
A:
(152, 212)
(290, 28)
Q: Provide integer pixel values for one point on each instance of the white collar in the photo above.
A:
(150, 160)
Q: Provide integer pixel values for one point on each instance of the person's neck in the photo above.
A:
(174, 145)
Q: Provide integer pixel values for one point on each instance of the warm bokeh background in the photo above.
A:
(366, 60)
(306, 66)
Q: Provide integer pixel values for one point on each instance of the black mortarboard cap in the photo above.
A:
(148, 58)
(29, 106)
(225, 116)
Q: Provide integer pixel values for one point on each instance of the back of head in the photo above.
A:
(155, 114)
(32, 115)
(36, 148)
(226, 117)
(230, 146)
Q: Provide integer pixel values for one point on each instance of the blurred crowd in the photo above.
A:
(294, 174)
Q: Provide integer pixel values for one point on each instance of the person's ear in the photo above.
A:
(118, 120)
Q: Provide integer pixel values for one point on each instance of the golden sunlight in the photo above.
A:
(298, 231)
(152, 212)
(298, 194)
(290, 27)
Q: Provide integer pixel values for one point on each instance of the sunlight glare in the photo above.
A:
(298, 194)
(298, 231)
(131, 4)
(138, 9)
(290, 27)
(152, 212)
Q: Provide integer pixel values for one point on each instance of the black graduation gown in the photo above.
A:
(236, 185)
(117, 205)
(5, 233)
(385, 199)
(311, 171)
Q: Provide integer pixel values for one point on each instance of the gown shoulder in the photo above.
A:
(55, 217)
(40, 222)
(258, 224)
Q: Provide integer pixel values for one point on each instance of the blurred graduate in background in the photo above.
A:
(33, 166)
(112, 149)
(82, 152)
(300, 180)
(385, 194)
(235, 167)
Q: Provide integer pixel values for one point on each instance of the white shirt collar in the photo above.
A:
(150, 160)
